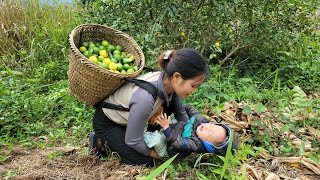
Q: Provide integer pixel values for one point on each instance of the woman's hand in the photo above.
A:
(154, 154)
(163, 120)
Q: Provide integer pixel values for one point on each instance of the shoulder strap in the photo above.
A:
(113, 106)
(145, 85)
(141, 83)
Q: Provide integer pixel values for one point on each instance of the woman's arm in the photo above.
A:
(141, 106)
(178, 109)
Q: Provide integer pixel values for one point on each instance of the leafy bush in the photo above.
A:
(255, 35)
(30, 110)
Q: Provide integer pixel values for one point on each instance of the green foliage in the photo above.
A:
(33, 90)
(296, 111)
(29, 109)
(159, 169)
(223, 86)
(260, 37)
(225, 167)
(9, 175)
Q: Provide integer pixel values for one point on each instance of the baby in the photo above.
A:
(195, 135)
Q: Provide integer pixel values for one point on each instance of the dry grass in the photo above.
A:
(34, 164)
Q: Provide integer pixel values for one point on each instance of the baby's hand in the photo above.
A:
(163, 120)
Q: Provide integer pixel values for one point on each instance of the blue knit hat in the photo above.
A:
(221, 148)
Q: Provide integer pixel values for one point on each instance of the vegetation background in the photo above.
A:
(264, 54)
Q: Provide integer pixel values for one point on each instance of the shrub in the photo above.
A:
(255, 35)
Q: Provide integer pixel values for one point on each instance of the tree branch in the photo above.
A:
(236, 49)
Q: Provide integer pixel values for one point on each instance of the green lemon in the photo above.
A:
(91, 45)
(105, 43)
(126, 66)
(130, 70)
(102, 47)
(85, 44)
(90, 50)
(123, 71)
(123, 55)
(116, 52)
(117, 57)
(105, 66)
(119, 48)
(111, 47)
(96, 50)
(127, 60)
(100, 58)
(86, 54)
(119, 67)
(114, 60)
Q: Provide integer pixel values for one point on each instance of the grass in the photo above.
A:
(33, 36)
(36, 110)
(34, 62)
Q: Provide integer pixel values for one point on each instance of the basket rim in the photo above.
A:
(95, 67)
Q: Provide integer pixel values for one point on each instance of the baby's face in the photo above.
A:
(211, 133)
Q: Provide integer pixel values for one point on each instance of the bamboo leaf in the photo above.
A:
(159, 169)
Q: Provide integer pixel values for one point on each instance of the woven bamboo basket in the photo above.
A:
(88, 82)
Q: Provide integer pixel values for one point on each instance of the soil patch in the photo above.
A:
(37, 164)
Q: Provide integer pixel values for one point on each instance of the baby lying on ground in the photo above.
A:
(195, 135)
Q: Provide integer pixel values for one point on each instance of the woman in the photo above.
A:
(182, 72)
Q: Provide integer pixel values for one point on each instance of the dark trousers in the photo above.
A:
(114, 136)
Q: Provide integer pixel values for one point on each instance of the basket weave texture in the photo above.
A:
(88, 82)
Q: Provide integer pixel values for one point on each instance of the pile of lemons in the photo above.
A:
(109, 56)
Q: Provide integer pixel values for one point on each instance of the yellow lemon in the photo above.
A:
(113, 66)
(217, 44)
(103, 53)
(83, 49)
(132, 57)
(93, 59)
(106, 61)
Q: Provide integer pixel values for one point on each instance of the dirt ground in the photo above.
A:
(72, 163)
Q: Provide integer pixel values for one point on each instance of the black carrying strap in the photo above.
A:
(145, 85)
(141, 83)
